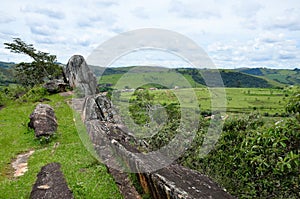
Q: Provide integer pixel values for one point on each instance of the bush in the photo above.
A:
(34, 95)
(251, 161)
(10, 93)
(293, 105)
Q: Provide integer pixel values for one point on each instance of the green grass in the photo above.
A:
(168, 79)
(86, 177)
(238, 100)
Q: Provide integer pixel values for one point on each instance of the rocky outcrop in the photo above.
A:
(117, 147)
(79, 76)
(43, 120)
(51, 184)
(55, 86)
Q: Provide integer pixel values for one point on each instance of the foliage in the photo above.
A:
(252, 161)
(17, 93)
(169, 130)
(11, 93)
(140, 107)
(43, 66)
(293, 105)
(35, 94)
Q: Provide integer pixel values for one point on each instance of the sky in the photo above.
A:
(233, 33)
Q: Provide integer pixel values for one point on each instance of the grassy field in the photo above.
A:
(269, 102)
(166, 78)
(84, 175)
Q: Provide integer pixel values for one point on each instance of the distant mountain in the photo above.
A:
(284, 76)
(241, 77)
(6, 74)
(231, 78)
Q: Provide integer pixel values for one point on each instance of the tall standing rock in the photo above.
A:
(79, 76)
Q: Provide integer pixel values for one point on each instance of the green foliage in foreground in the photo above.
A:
(16, 93)
(293, 105)
(84, 175)
(251, 161)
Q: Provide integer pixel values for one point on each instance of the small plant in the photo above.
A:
(45, 140)
(35, 94)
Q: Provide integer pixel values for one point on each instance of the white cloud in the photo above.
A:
(289, 20)
(188, 9)
(140, 12)
(263, 50)
(248, 33)
(246, 9)
(51, 13)
(5, 18)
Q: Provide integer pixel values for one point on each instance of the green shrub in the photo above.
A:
(293, 106)
(11, 93)
(251, 161)
(34, 95)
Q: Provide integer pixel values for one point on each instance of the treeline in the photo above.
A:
(230, 78)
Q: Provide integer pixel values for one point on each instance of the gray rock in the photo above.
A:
(51, 184)
(117, 147)
(98, 107)
(43, 120)
(79, 76)
(55, 86)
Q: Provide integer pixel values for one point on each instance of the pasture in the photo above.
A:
(269, 102)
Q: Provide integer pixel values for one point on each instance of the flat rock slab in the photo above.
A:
(51, 184)
(20, 163)
(43, 120)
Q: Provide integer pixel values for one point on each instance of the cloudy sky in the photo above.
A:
(234, 34)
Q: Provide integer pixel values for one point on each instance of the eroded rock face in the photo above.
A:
(43, 120)
(79, 76)
(117, 147)
(51, 184)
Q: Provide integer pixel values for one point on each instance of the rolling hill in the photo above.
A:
(6, 73)
(231, 78)
(241, 77)
(284, 76)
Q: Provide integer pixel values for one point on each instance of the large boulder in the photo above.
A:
(55, 86)
(43, 120)
(51, 184)
(79, 76)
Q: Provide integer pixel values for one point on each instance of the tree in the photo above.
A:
(42, 68)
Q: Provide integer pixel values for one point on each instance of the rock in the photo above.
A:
(119, 150)
(20, 163)
(55, 86)
(97, 107)
(50, 184)
(79, 76)
(43, 120)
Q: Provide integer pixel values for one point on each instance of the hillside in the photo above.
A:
(284, 76)
(6, 74)
(241, 77)
(231, 78)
